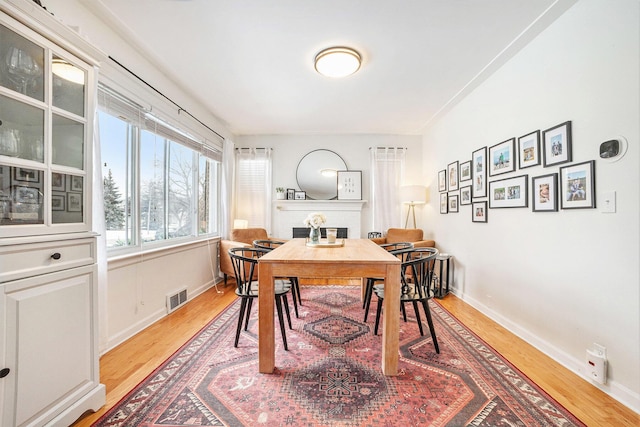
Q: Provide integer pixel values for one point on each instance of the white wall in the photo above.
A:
(354, 149)
(568, 279)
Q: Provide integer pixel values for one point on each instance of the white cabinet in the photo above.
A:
(49, 361)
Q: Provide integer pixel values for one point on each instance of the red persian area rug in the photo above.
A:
(331, 376)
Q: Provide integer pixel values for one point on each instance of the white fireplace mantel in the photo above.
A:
(340, 213)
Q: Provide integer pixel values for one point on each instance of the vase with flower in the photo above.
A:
(314, 221)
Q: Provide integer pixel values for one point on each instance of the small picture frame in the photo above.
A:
(465, 171)
(76, 183)
(349, 185)
(291, 194)
(502, 157)
(74, 202)
(479, 211)
(529, 150)
(442, 180)
(509, 193)
(452, 176)
(300, 195)
(479, 173)
(443, 203)
(57, 202)
(453, 203)
(544, 193)
(465, 195)
(26, 175)
(557, 144)
(577, 185)
(58, 181)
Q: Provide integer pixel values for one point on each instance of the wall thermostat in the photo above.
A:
(613, 149)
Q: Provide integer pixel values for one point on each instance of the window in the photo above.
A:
(253, 186)
(159, 184)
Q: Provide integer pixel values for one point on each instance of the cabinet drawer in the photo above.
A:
(20, 261)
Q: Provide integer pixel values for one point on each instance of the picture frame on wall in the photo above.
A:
(502, 158)
(75, 183)
(479, 211)
(556, 143)
(453, 203)
(74, 202)
(452, 176)
(529, 150)
(57, 202)
(465, 195)
(479, 173)
(58, 182)
(442, 180)
(26, 175)
(443, 203)
(465, 171)
(577, 186)
(509, 193)
(544, 193)
(349, 185)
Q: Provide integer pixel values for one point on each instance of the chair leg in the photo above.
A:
(378, 312)
(285, 301)
(415, 309)
(248, 315)
(281, 320)
(243, 304)
(294, 292)
(368, 294)
(296, 284)
(404, 312)
(427, 313)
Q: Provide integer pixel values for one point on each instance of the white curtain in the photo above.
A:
(226, 192)
(253, 186)
(387, 172)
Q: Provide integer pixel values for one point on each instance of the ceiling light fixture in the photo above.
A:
(67, 71)
(338, 62)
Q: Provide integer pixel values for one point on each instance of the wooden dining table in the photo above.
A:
(357, 258)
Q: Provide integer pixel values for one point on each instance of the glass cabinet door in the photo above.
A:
(21, 64)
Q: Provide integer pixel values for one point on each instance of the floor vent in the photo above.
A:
(176, 300)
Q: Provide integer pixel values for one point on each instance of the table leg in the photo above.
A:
(391, 321)
(266, 340)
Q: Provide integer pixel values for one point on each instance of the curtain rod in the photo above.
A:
(164, 96)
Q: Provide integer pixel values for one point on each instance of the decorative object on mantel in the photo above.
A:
(314, 221)
(316, 174)
(280, 194)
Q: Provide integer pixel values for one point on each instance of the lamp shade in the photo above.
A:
(240, 223)
(413, 194)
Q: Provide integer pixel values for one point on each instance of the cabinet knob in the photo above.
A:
(56, 255)
(4, 372)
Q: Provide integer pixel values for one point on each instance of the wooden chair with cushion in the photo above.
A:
(398, 235)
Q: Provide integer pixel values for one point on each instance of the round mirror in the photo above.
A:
(317, 174)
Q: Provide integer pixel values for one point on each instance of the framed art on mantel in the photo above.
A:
(479, 173)
(349, 185)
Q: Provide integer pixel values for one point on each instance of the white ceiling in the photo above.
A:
(251, 61)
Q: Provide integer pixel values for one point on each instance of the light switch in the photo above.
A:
(608, 204)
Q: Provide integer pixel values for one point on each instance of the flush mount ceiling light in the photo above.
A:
(67, 71)
(337, 62)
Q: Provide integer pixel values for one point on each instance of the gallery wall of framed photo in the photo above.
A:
(494, 177)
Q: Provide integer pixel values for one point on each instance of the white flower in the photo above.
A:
(315, 219)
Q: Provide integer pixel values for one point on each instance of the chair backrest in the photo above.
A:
(267, 244)
(245, 266)
(417, 270)
(395, 235)
(391, 247)
(248, 235)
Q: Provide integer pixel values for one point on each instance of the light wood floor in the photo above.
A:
(125, 366)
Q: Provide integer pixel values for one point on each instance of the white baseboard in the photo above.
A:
(613, 388)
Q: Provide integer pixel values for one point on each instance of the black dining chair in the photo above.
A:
(245, 268)
(416, 273)
(397, 249)
(295, 284)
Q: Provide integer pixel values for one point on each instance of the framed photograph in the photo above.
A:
(479, 173)
(452, 175)
(453, 202)
(57, 181)
(74, 202)
(442, 180)
(5, 193)
(509, 193)
(529, 150)
(465, 195)
(577, 185)
(479, 211)
(443, 203)
(502, 157)
(299, 195)
(465, 171)
(57, 202)
(557, 144)
(26, 195)
(349, 185)
(26, 175)
(544, 193)
(76, 183)
(291, 194)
